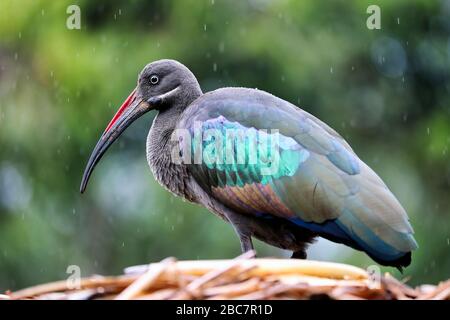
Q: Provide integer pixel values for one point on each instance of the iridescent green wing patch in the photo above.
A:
(240, 155)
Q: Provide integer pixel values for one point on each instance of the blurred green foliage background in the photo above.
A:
(386, 91)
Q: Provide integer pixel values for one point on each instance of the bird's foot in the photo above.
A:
(301, 254)
(251, 254)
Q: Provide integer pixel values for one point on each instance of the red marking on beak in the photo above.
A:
(122, 108)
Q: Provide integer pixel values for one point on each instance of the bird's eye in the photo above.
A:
(154, 79)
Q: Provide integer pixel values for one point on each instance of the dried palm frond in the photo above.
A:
(240, 278)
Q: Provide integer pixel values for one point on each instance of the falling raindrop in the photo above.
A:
(20, 35)
(120, 12)
(215, 67)
(405, 117)
(428, 131)
(398, 20)
(221, 47)
(204, 27)
(331, 69)
(42, 12)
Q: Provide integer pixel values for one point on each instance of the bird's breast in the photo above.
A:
(171, 176)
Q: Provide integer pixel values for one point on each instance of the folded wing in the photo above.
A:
(303, 171)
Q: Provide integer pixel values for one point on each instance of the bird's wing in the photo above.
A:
(317, 182)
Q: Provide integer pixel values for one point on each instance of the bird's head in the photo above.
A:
(161, 85)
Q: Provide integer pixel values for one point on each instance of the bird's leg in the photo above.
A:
(242, 226)
(246, 242)
(242, 231)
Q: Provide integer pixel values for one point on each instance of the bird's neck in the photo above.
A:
(164, 124)
(159, 147)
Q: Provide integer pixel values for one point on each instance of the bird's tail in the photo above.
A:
(386, 236)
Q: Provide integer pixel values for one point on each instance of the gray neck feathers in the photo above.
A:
(159, 145)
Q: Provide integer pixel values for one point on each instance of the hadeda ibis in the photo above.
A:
(310, 183)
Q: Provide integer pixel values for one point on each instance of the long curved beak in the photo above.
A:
(132, 108)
